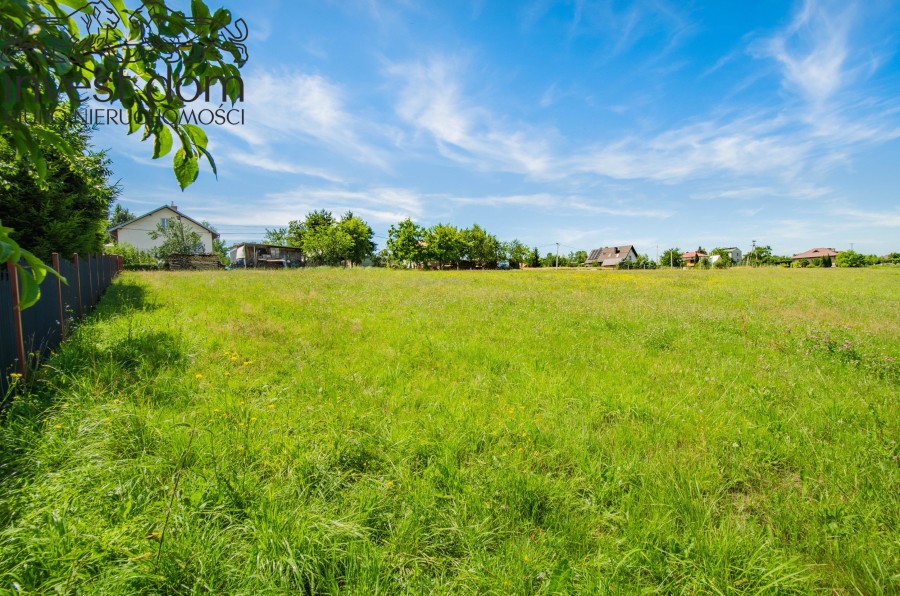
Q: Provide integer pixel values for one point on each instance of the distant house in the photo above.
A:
(816, 253)
(247, 254)
(734, 252)
(137, 231)
(609, 257)
(692, 258)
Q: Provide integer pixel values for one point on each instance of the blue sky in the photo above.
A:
(589, 123)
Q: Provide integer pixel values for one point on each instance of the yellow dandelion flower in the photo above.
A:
(252, 419)
(58, 426)
(248, 362)
(389, 484)
(240, 403)
(107, 419)
(15, 376)
(241, 424)
(198, 376)
(234, 358)
(65, 405)
(271, 406)
(526, 557)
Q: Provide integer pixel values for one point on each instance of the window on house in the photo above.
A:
(165, 222)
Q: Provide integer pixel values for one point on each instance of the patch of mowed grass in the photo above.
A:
(373, 431)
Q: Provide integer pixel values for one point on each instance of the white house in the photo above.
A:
(137, 231)
(733, 251)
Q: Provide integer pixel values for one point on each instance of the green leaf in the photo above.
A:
(30, 290)
(162, 143)
(197, 135)
(186, 168)
(212, 162)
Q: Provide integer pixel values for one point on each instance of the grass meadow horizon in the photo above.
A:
(529, 432)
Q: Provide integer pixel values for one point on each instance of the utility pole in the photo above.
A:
(851, 247)
(557, 255)
(657, 255)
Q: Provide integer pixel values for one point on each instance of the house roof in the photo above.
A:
(266, 245)
(816, 253)
(694, 253)
(610, 252)
(190, 219)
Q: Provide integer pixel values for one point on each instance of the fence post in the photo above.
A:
(78, 284)
(119, 264)
(90, 282)
(62, 318)
(16, 314)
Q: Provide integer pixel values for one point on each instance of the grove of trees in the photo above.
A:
(444, 245)
(325, 240)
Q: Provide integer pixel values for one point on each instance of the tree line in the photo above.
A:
(326, 240)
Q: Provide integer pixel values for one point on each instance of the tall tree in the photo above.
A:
(671, 257)
(406, 242)
(65, 211)
(361, 234)
(444, 244)
(480, 247)
(516, 252)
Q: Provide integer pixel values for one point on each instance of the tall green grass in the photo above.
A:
(372, 431)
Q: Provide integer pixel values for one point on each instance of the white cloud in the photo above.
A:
(431, 100)
(262, 161)
(814, 49)
(291, 106)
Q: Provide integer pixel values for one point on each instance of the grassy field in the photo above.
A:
(373, 431)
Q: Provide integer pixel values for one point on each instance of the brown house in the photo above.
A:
(609, 257)
(816, 253)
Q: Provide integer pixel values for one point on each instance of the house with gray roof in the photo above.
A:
(609, 257)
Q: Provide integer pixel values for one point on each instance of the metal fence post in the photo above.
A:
(90, 282)
(78, 284)
(17, 314)
(62, 318)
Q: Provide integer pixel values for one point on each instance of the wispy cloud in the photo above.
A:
(563, 203)
(814, 49)
(295, 106)
(263, 161)
(432, 100)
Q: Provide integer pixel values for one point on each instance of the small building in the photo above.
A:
(137, 231)
(733, 252)
(690, 259)
(609, 257)
(247, 254)
(816, 253)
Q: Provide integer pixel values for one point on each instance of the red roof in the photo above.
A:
(693, 254)
(817, 253)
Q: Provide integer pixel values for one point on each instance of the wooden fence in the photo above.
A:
(28, 335)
